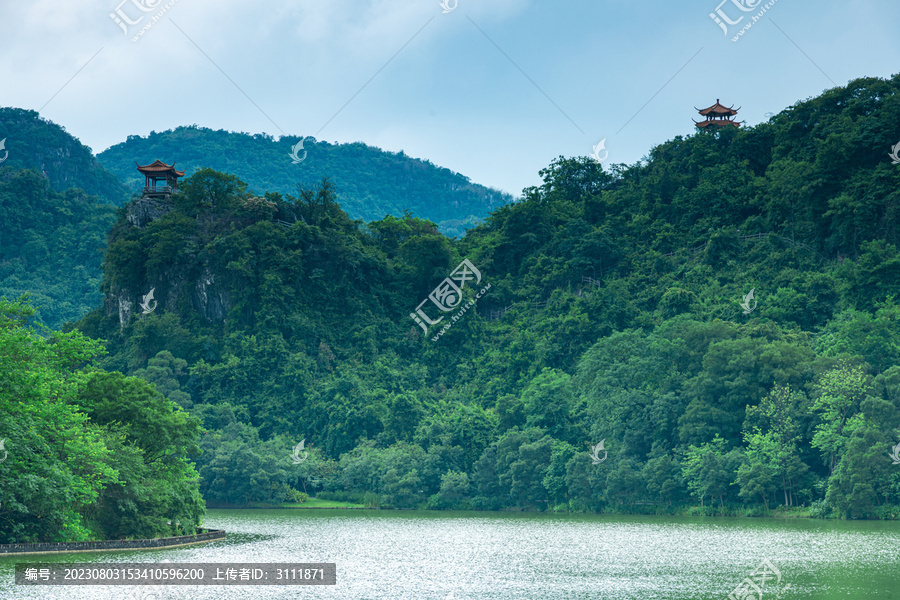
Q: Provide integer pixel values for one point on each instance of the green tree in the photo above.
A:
(555, 479)
(527, 472)
(772, 455)
(157, 489)
(58, 464)
(839, 392)
(166, 373)
(549, 404)
(624, 484)
(706, 469)
(238, 468)
(454, 491)
(663, 479)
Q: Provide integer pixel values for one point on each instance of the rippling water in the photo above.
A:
(400, 555)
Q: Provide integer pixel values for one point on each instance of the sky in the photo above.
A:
(494, 90)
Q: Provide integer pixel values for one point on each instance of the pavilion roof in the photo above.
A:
(158, 166)
(717, 109)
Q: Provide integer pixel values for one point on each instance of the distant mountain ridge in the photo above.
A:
(57, 201)
(36, 143)
(370, 183)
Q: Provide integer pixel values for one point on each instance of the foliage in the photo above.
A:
(371, 183)
(614, 314)
(51, 245)
(39, 145)
(88, 454)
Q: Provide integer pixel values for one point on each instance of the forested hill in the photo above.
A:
(36, 143)
(724, 317)
(51, 245)
(370, 183)
(57, 204)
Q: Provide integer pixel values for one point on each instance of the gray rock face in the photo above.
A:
(145, 210)
(124, 311)
(209, 299)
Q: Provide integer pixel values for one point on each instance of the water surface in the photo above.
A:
(423, 555)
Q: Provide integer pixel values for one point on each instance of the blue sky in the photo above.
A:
(492, 89)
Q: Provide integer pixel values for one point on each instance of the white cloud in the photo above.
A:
(450, 95)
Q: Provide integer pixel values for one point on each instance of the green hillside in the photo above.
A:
(370, 183)
(56, 207)
(52, 233)
(614, 313)
(51, 245)
(43, 146)
(712, 331)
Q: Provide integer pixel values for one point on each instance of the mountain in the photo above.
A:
(51, 245)
(52, 234)
(613, 306)
(370, 183)
(56, 207)
(36, 143)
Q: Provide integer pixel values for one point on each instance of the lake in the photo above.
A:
(424, 555)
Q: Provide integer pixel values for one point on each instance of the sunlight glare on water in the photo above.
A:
(394, 555)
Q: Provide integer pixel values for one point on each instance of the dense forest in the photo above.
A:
(88, 454)
(54, 219)
(370, 183)
(51, 245)
(619, 310)
(35, 143)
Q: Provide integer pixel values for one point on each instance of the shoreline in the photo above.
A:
(205, 535)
